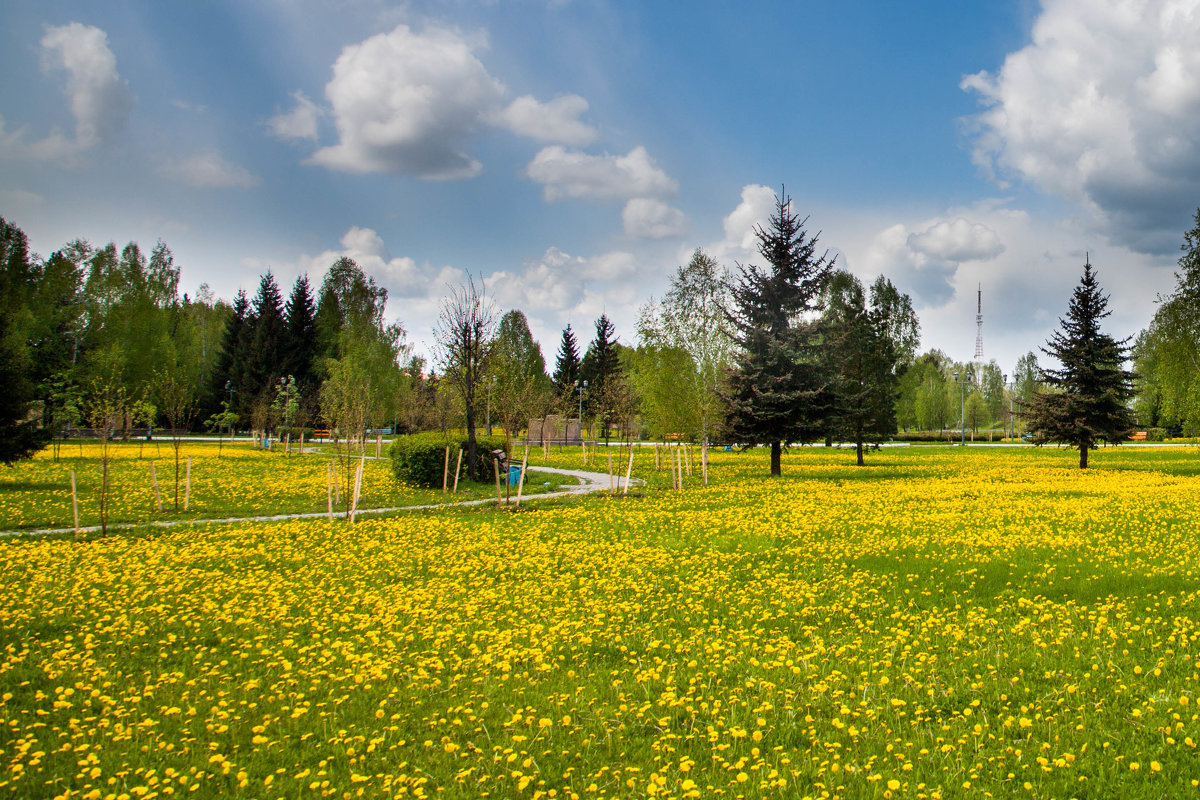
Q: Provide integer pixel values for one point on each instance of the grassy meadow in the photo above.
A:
(942, 623)
(227, 481)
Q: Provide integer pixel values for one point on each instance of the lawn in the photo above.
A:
(227, 481)
(941, 623)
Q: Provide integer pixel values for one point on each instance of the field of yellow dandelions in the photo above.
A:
(942, 623)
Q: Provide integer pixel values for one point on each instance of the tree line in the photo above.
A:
(790, 349)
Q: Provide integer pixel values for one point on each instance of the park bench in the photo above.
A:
(1137, 436)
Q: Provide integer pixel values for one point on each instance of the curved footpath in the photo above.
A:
(588, 482)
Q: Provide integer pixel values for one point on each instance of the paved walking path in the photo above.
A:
(588, 482)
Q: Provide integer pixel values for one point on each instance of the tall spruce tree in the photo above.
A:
(566, 365)
(300, 347)
(265, 360)
(1089, 394)
(20, 436)
(777, 392)
(599, 365)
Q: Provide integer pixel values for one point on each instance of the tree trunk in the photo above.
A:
(471, 442)
(858, 446)
(1083, 450)
(776, 449)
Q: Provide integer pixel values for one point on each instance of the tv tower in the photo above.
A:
(979, 324)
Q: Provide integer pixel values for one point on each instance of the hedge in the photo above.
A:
(420, 458)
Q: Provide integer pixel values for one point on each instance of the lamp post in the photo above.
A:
(579, 387)
(962, 411)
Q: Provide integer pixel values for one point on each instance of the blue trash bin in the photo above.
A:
(514, 476)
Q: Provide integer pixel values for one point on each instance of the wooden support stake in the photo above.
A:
(187, 486)
(358, 476)
(337, 486)
(301, 442)
(287, 443)
(656, 465)
(379, 445)
(157, 494)
(704, 460)
(688, 452)
(583, 444)
(521, 480)
(457, 469)
(611, 486)
(446, 472)
(679, 467)
(74, 503)
(329, 489)
(628, 471)
(496, 469)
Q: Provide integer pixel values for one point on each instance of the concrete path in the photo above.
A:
(588, 482)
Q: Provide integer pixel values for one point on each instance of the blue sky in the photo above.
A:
(573, 153)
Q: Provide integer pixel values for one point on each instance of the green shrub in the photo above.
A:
(1156, 434)
(420, 458)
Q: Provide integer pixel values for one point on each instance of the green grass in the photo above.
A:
(945, 623)
(227, 482)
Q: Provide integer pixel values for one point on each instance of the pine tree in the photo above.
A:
(20, 437)
(863, 363)
(777, 390)
(265, 359)
(566, 365)
(300, 341)
(1088, 397)
(599, 365)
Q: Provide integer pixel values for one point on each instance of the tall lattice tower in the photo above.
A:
(979, 323)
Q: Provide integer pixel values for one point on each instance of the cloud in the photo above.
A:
(554, 121)
(299, 123)
(407, 102)
(646, 218)
(957, 240)
(572, 174)
(1102, 108)
(98, 96)
(209, 171)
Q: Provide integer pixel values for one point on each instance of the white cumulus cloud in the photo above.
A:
(406, 102)
(647, 218)
(1102, 108)
(410, 102)
(98, 96)
(572, 174)
(554, 121)
(957, 240)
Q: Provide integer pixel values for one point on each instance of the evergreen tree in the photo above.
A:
(863, 363)
(600, 364)
(1088, 400)
(226, 385)
(20, 437)
(566, 365)
(300, 348)
(265, 360)
(776, 392)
